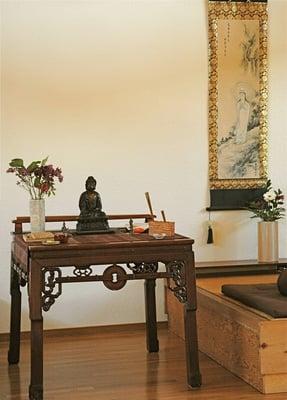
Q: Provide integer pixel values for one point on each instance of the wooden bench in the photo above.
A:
(247, 342)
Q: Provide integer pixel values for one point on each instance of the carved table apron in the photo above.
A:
(47, 268)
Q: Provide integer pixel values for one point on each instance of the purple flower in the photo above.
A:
(38, 178)
(10, 170)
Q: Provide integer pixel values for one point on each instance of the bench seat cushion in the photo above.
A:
(263, 297)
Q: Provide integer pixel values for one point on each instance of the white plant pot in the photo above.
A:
(37, 215)
(268, 248)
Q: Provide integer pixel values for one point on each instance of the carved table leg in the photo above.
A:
(35, 308)
(15, 317)
(150, 309)
(190, 325)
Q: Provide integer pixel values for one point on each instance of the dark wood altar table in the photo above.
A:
(48, 268)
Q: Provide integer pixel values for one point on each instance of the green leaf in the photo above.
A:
(43, 162)
(17, 163)
(37, 182)
(33, 166)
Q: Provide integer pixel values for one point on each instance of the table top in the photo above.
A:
(105, 240)
(98, 249)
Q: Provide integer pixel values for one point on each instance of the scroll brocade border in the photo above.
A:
(236, 10)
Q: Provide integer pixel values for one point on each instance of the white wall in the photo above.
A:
(118, 89)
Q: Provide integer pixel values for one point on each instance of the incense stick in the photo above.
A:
(163, 215)
(149, 203)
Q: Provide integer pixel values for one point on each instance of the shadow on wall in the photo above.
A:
(25, 322)
(5, 316)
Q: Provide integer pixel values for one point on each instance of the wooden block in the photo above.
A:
(161, 227)
(274, 383)
(273, 346)
(247, 342)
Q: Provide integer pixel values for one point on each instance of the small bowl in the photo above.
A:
(159, 236)
(61, 237)
(137, 228)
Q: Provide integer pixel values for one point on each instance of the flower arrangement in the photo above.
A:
(38, 178)
(269, 207)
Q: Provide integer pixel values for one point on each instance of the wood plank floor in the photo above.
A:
(114, 365)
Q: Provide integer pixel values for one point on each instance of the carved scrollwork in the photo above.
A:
(177, 271)
(51, 289)
(22, 275)
(143, 268)
(114, 277)
(82, 271)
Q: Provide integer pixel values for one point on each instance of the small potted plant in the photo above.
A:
(269, 208)
(38, 179)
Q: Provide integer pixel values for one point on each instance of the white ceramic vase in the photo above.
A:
(37, 215)
(268, 249)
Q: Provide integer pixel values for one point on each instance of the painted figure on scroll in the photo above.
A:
(243, 111)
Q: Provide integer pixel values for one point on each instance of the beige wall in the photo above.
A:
(118, 89)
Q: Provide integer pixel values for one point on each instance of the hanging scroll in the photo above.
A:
(237, 102)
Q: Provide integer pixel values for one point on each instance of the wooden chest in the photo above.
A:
(247, 342)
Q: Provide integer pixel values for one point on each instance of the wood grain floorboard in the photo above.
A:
(114, 365)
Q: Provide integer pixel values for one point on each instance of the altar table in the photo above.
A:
(48, 268)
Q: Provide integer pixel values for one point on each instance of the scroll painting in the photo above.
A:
(237, 97)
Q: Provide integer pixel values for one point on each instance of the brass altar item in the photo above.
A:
(92, 218)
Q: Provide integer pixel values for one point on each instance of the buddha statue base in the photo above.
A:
(95, 224)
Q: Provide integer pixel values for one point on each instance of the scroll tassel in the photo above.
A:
(210, 231)
(210, 235)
